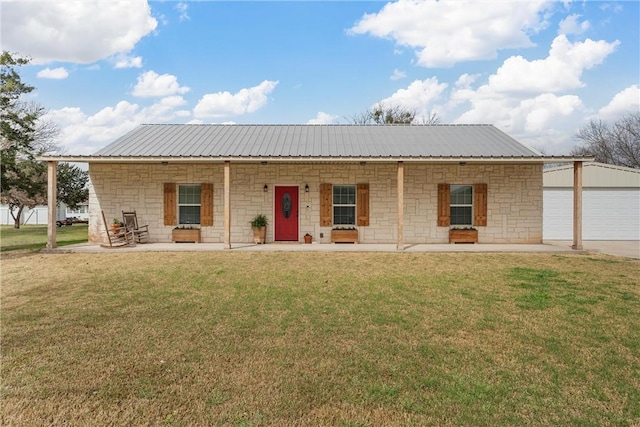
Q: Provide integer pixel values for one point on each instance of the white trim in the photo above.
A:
(423, 159)
(178, 204)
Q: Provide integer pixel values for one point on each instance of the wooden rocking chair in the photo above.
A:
(140, 232)
(118, 237)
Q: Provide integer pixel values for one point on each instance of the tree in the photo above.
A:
(392, 114)
(430, 120)
(26, 186)
(24, 135)
(381, 114)
(72, 185)
(16, 123)
(617, 144)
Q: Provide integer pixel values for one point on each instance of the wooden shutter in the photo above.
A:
(206, 204)
(480, 204)
(363, 204)
(326, 205)
(444, 203)
(170, 203)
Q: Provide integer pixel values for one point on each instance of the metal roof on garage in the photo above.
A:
(316, 141)
(595, 175)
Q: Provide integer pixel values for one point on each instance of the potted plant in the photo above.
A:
(308, 238)
(115, 225)
(463, 235)
(259, 225)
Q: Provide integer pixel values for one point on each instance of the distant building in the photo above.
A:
(38, 215)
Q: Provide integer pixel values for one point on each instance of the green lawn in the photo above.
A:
(344, 339)
(34, 237)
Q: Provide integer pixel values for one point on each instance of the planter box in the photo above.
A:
(259, 235)
(463, 236)
(344, 236)
(186, 235)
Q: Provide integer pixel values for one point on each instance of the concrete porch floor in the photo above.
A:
(629, 249)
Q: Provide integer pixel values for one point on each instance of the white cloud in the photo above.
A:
(398, 74)
(84, 134)
(164, 111)
(323, 119)
(466, 80)
(532, 100)
(560, 71)
(127, 61)
(222, 104)
(152, 84)
(626, 101)
(570, 25)
(532, 120)
(55, 73)
(182, 7)
(74, 31)
(419, 95)
(538, 113)
(81, 133)
(446, 32)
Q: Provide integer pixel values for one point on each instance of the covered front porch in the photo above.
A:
(555, 247)
(397, 181)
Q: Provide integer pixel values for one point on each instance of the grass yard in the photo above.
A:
(340, 339)
(32, 238)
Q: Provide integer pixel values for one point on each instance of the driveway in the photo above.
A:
(625, 248)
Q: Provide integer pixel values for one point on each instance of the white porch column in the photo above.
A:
(52, 196)
(577, 206)
(400, 246)
(227, 205)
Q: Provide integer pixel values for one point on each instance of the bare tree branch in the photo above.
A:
(617, 145)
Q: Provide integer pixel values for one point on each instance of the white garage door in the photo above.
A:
(608, 214)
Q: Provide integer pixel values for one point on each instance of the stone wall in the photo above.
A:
(514, 198)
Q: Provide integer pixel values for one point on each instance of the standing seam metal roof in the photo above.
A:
(316, 141)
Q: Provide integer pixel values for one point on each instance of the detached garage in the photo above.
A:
(610, 202)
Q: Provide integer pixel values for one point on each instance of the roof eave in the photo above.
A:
(259, 159)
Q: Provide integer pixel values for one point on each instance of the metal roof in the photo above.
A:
(594, 175)
(303, 142)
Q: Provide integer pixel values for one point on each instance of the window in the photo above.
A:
(189, 204)
(344, 205)
(461, 205)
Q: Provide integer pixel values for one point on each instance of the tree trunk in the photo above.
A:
(16, 218)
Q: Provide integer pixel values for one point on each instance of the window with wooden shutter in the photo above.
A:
(206, 206)
(170, 203)
(363, 204)
(480, 204)
(444, 213)
(326, 209)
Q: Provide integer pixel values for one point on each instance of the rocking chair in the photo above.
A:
(140, 232)
(118, 236)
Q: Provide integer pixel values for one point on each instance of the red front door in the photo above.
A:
(286, 213)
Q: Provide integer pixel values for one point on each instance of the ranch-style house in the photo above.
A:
(400, 184)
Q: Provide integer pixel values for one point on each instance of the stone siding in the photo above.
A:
(514, 198)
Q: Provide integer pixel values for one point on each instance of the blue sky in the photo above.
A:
(538, 70)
